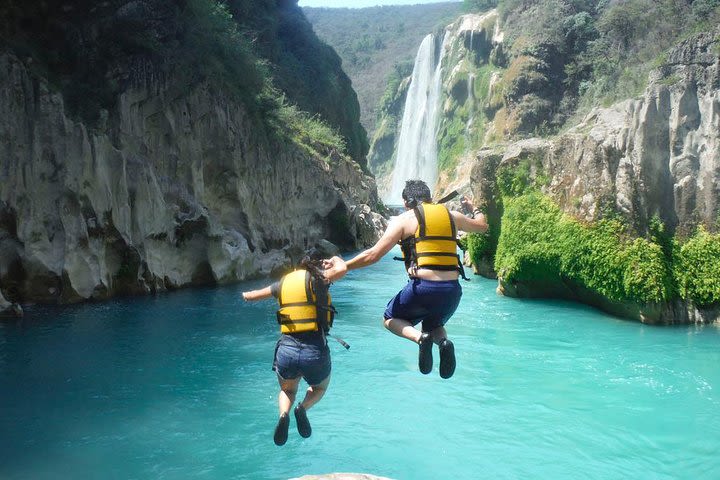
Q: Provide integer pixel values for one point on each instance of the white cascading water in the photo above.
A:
(417, 146)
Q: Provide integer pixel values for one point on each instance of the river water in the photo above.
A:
(180, 386)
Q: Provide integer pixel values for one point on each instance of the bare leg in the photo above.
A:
(312, 396)
(403, 328)
(286, 397)
(438, 335)
(315, 393)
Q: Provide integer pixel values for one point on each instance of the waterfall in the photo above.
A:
(417, 146)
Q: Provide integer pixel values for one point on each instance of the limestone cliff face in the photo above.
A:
(658, 155)
(171, 189)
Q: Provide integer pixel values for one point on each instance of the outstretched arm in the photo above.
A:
(335, 271)
(261, 294)
(392, 235)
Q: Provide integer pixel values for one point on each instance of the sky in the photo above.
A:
(363, 3)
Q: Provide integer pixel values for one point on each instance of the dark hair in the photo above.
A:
(416, 191)
(312, 262)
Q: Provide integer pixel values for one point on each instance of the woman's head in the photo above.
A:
(312, 262)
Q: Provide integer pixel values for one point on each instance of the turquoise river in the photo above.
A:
(180, 386)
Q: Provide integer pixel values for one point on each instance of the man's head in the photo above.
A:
(415, 192)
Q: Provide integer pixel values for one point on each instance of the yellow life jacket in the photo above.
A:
(434, 245)
(302, 309)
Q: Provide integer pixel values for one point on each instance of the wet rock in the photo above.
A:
(367, 226)
(9, 309)
(327, 248)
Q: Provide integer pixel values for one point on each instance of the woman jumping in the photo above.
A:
(305, 316)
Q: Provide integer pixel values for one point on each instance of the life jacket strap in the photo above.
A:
(437, 237)
(436, 254)
(296, 304)
(460, 268)
(340, 341)
(284, 320)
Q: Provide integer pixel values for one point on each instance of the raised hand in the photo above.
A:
(466, 204)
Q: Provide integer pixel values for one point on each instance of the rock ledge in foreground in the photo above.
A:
(341, 476)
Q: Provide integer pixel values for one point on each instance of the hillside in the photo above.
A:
(587, 132)
(266, 55)
(372, 41)
(154, 145)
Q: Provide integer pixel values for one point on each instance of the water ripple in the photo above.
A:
(180, 386)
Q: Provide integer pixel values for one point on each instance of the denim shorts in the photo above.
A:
(426, 301)
(295, 358)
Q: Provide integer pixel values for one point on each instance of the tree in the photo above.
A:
(479, 5)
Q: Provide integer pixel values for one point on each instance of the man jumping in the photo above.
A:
(427, 234)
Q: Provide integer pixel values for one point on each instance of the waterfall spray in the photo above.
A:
(417, 145)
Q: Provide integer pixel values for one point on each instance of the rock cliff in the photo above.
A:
(656, 156)
(639, 180)
(169, 189)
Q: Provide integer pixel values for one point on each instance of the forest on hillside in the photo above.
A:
(373, 42)
(585, 53)
(263, 53)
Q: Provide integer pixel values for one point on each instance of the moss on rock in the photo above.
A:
(697, 268)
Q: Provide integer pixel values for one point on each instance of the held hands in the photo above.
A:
(335, 268)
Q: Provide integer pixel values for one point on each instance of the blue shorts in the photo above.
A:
(295, 358)
(426, 301)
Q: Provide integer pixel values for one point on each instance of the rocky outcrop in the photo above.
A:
(655, 156)
(9, 309)
(658, 155)
(170, 189)
(366, 225)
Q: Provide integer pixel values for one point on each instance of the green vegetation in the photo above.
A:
(389, 100)
(596, 52)
(538, 243)
(697, 270)
(452, 140)
(515, 181)
(308, 131)
(464, 126)
(215, 51)
(481, 245)
(372, 41)
(79, 61)
(479, 5)
(260, 52)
